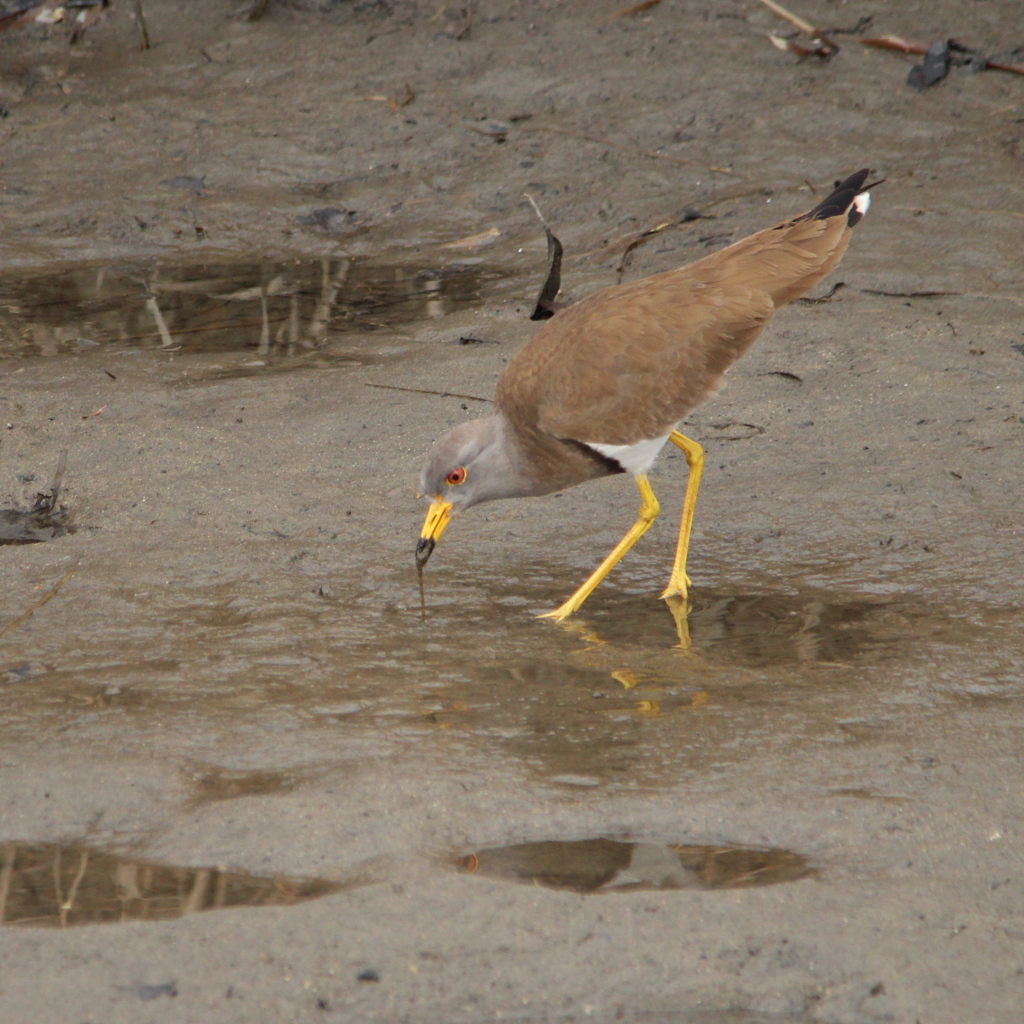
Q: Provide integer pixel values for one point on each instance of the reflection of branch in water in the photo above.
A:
(67, 885)
(166, 341)
(807, 639)
(67, 905)
(329, 288)
(435, 306)
(278, 285)
(196, 900)
(293, 325)
(265, 321)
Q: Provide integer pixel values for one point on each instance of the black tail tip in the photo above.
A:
(842, 198)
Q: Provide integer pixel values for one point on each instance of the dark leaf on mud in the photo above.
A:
(545, 307)
(932, 69)
(782, 373)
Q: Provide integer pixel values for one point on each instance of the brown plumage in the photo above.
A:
(622, 367)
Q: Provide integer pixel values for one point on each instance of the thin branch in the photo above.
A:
(422, 391)
(140, 23)
(39, 604)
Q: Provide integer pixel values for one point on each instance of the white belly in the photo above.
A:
(633, 458)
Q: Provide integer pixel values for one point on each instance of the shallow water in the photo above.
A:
(60, 886)
(609, 865)
(609, 699)
(283, 307)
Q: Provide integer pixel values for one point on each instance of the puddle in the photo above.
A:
(608, 704)
(611, 865)
(282, 307)
(58, 886)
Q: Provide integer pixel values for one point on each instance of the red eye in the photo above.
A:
(456, 476)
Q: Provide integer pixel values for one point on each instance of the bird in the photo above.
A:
(603, 385)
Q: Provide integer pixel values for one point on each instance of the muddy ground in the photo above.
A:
(224, 666)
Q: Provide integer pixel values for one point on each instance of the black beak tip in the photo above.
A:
(424, 549)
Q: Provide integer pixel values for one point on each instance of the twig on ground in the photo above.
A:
(901, 45)
(423, 391)
(821, 44)
(140, 24)
(630, 12)
(39, 604)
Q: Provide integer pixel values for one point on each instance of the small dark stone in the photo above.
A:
(369, 974)
(147, 992)
(932, 69)
(186, 182)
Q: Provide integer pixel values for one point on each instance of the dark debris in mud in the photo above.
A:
(45, 520)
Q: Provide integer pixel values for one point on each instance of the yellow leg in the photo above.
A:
(649, 509)
(679, 581)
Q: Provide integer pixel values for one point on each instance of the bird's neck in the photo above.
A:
(537, 462)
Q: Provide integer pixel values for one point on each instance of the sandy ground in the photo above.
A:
(242, 603)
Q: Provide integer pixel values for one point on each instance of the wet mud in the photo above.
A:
(249, 275)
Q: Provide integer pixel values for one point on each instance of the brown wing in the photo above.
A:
(628, 362)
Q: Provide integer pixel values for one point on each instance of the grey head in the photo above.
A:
(474, 462)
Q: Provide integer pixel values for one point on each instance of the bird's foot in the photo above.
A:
(559, 614)
(677, 587)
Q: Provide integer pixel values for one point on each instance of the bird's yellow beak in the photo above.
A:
(433, 526)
